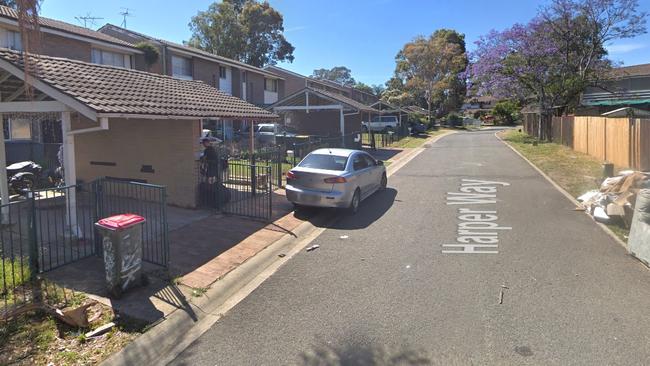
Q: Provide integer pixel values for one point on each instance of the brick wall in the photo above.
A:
(170, 147)
(206, 71)
(257, 92)
(57, 46)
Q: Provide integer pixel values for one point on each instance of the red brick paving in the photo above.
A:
(205, 251)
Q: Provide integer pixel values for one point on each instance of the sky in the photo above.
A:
(364, 35)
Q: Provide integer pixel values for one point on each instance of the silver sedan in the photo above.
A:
(335, 178)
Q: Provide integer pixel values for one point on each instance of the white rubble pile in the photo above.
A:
(616, 197)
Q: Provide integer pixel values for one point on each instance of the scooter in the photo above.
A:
(23, 176)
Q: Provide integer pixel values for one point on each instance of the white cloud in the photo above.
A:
(624, 47)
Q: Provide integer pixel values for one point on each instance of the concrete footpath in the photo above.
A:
(231, 276)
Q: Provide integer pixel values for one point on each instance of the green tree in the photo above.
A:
(378, 89)
(244, 30)
(338, 74)
(430, 68)
(364, 88)
(506, 111)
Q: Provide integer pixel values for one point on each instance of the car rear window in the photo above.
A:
(322, 161)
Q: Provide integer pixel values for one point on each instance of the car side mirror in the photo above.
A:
(380, 162)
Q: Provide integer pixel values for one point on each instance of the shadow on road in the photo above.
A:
(357, 353)
(371, 209)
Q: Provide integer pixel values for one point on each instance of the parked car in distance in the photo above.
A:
(416, 128)
(381, 124)
(267, 132)
(339, 178)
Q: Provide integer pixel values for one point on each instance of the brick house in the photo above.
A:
(122, 123)
(252, 84)
(115, 46)
(40, 141)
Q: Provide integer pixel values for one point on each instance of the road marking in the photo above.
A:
(477, 229)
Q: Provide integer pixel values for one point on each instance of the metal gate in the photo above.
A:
(147, 200)
(236, 188)
(62, 223)
(248, 190)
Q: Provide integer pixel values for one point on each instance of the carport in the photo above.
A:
(317, 112)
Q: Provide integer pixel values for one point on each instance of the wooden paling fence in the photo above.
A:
(625, 142)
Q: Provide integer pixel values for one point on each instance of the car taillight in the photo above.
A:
(335, 180)
(291, 175)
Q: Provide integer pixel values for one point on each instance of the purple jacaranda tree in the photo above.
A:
(551, 59)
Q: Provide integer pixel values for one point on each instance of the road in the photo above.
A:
(559, 291)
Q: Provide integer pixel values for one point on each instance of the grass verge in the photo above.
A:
(575, 172)
(411, 142)
(39, 339)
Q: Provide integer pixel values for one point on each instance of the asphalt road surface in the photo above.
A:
(559, 291)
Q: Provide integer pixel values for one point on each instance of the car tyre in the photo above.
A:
(355, 202)
(383, 183)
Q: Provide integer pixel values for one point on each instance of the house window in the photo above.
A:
(271, 85)
(103, 57)
(17, 129)
(10, 39)
(222, 72)
(181, 67)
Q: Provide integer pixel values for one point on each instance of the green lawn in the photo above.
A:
(410, 142)
(13, 274)
(576, 172)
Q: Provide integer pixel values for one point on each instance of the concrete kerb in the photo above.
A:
(170, 337)
(566, 194)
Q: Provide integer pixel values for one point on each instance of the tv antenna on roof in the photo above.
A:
(87, 18)
(125, 13)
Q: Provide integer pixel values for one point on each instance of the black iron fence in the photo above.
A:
(242, 182)
(236, 187)
(144, 199)
(378, 140)
(49, 228)
(63, 220)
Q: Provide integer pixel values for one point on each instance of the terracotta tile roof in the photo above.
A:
(10, 13)
(108, 89)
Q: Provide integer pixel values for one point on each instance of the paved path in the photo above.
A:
(389, 293)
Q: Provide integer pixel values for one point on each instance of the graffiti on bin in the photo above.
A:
(109, 259)
(131, 263)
